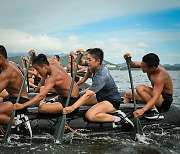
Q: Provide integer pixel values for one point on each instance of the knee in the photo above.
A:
(1, 118)
(90, 117)
(8, 108)
(41, 108)
(128, 94)
(139, 88)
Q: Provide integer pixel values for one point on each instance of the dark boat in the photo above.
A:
(45, 123)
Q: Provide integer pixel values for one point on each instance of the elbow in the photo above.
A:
(89, 94)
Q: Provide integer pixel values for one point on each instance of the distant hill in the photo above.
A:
(64, 61)
(12, 54)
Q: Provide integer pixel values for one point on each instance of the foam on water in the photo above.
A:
(142, 138)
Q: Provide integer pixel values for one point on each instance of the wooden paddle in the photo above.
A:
(137, 124)
(8, 129)
(60, 126)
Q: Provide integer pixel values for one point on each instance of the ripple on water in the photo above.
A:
(98, 143)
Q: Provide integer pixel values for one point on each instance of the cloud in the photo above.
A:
(114, 44)
(20, 41)
(47, 16)
(142, 45)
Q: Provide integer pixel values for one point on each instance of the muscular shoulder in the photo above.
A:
(163, 73)
(57, 74)
(8, 72)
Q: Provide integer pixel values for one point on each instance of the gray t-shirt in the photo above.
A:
(104, 86)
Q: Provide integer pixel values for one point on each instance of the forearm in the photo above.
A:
(80, 101)
(135, 64)
(150, 104)
(81, 81)
(33, 101)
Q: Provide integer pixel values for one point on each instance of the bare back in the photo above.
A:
(11, 78)
(62, 81)
(165, 77)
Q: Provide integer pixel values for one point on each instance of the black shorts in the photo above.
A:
(168, 99)
(115, 103)
(63, 100)
(13, 101)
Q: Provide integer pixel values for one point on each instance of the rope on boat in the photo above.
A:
(74, 131)
(2, 131)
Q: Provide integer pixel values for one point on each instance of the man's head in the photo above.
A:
(95, 58)
(150, 61)
(56, 57)
(40, 63)
(3, 51)
(97, 54)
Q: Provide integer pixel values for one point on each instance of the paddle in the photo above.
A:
(60, 126)
(137, 124)
(8, 129)
(25, 66)
(71, 66)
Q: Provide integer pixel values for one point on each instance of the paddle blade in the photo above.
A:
(137, 126)
(8, 129)
(60, 129)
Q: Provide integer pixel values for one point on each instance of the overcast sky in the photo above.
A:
(116, 26)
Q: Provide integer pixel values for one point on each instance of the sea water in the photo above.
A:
(164, 142)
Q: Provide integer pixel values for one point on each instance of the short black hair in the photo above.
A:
(88, 50)
(40, 60)
(3, 51)
(97, 53)
(57, 56)
(151, 59)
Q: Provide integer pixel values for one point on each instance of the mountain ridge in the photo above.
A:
(16, 57)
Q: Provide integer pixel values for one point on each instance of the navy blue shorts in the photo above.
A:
(115, 103)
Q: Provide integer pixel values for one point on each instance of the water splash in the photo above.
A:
(142, 139)
(78, 133)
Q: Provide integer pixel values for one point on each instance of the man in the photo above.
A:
(159, 95)
(83, 62)
(54, 77)
(103, 93)
(57, 59)
(11, 79)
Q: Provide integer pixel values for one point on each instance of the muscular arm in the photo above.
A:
(85, 77)
(79, 102)
(157, 90)
(47, 87)
(41, 83)
(4, 81)
(132, 63)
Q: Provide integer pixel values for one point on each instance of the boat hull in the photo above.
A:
(44, 123)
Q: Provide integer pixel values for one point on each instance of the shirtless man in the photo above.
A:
(103, 93)
(57, 59)
(159, 96)
(57, 78)
(68, 67)
(11, 79)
